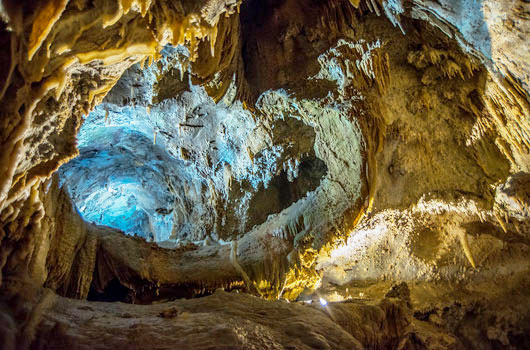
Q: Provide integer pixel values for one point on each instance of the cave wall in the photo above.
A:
(58, 62)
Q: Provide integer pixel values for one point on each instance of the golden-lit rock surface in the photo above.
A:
(373, 154)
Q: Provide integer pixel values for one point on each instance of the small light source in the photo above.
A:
(323, 302)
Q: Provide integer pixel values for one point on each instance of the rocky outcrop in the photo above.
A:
(228, 320)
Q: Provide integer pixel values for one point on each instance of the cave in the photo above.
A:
(184, 168)
(280, 174)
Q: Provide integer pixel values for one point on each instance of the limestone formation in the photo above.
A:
(265, 174)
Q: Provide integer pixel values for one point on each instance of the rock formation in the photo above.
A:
(280, 174)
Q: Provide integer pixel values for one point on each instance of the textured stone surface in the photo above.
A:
(237, 321)
(199, 169)
(419, 110)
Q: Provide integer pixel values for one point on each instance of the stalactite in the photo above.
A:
(48, 14)
(365, 63)
(227, 175)
(233, 259)
(462, 236)
(215, 71)
(13, 43)
(510, 111)
(15, 150)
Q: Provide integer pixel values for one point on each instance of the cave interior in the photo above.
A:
(265, 174)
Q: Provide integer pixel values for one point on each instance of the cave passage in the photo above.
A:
(168, 164)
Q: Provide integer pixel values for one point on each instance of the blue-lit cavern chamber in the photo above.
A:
(168, 164)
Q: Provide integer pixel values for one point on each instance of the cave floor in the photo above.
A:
(379, 315)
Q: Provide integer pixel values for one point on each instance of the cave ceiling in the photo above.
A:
(369, 154)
